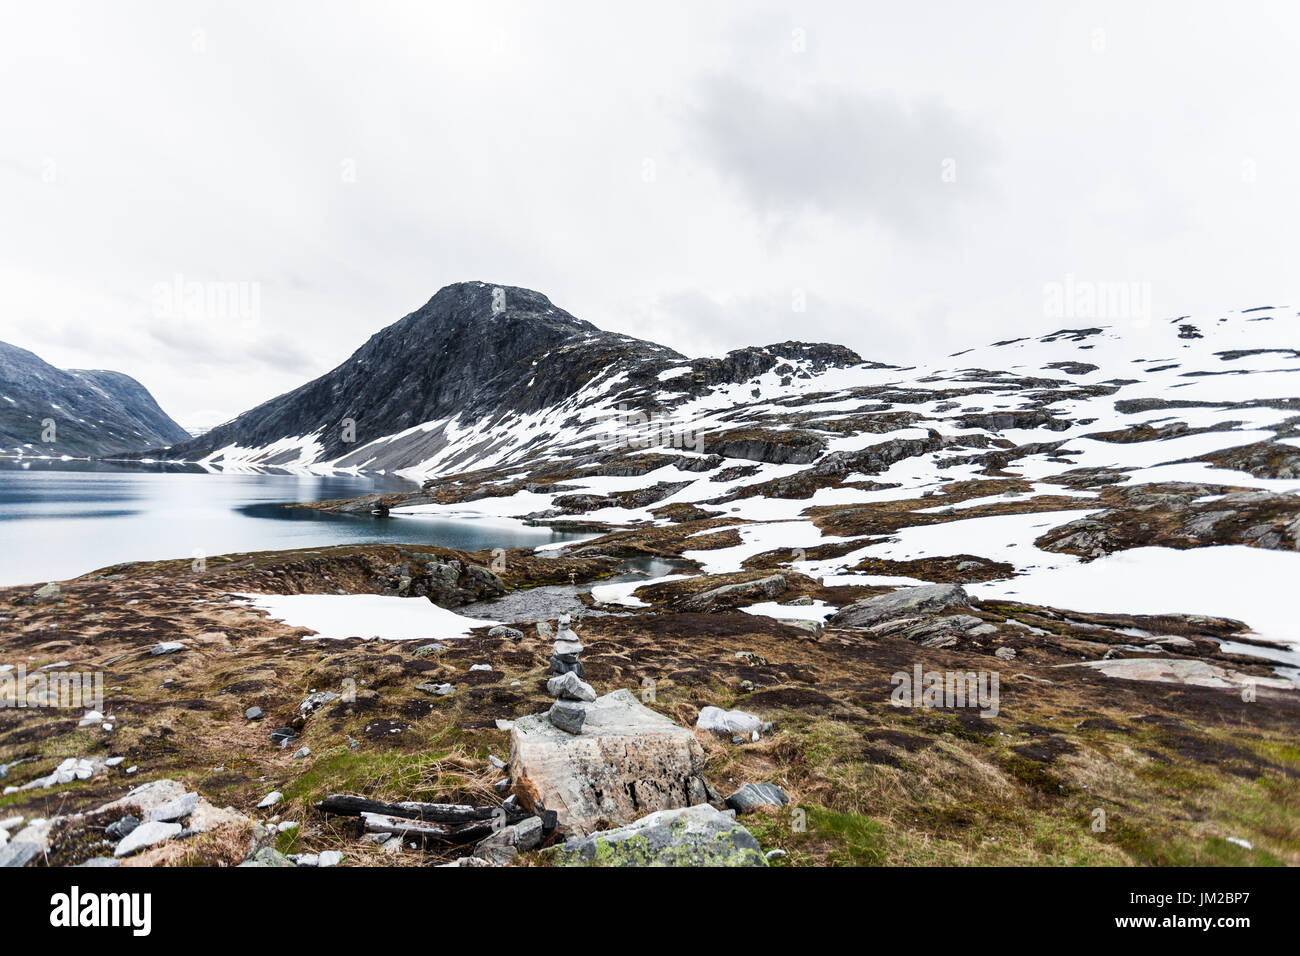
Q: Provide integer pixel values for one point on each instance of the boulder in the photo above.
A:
(314, 702)
(145, 797)
(689, 836)
(146, 835)
(753, 795)
(28, 843)
(626, 762)
(173, 810)
(767, 587)
(568, 715)
(505, 844)
(47, 593)
(570, 686)
(728, 723)
(268, 856)
(905, 602)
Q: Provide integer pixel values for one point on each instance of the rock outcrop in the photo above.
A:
(905, 602)
(691, 836)
(626, 762)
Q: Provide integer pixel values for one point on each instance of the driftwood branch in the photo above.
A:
(452, 813)
(407, 828)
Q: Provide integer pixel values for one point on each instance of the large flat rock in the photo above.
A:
(627, 762)
(1183, 671)
(904, 602)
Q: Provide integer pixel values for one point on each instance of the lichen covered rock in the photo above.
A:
(691, 836)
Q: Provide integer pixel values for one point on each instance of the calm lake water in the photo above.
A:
(62, 519)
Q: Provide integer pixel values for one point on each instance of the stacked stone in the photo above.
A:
(572, 693)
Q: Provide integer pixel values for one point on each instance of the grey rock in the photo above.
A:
(568, 715)
(98, 861)
(330, 858)
(17, 853)
(726, 723)
(626, 761)
(173, 810)
(690, 836)
(506, 633)
(428, 650)
(905, 602)
(270, 800)
(314, 702)
(268, 856)
(767, 587)
(560, 666)
(119, 829)
(753, 795)
(167, 647)
(570, 687)
(302, 752)
(146, 835)
(436, 690)
(502, 846)
(47, 593)
(254, 713)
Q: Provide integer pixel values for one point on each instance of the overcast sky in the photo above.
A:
(912, 176)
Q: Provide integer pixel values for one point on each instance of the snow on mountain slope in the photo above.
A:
(1009, 467)
(51, 412)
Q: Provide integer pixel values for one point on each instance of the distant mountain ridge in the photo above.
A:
(475, 355)
(499, 382)
(94, 412)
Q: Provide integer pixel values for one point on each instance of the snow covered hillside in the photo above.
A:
(1147, 468)
(1142, 470)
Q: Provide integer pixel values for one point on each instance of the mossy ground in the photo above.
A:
(1081, 770)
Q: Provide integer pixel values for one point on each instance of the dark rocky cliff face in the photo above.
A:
(95, 412)
(468, 350)
(482, 352)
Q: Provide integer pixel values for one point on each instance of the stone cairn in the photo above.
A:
(573, 694)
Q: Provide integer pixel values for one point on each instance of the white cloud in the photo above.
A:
(352, 159)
